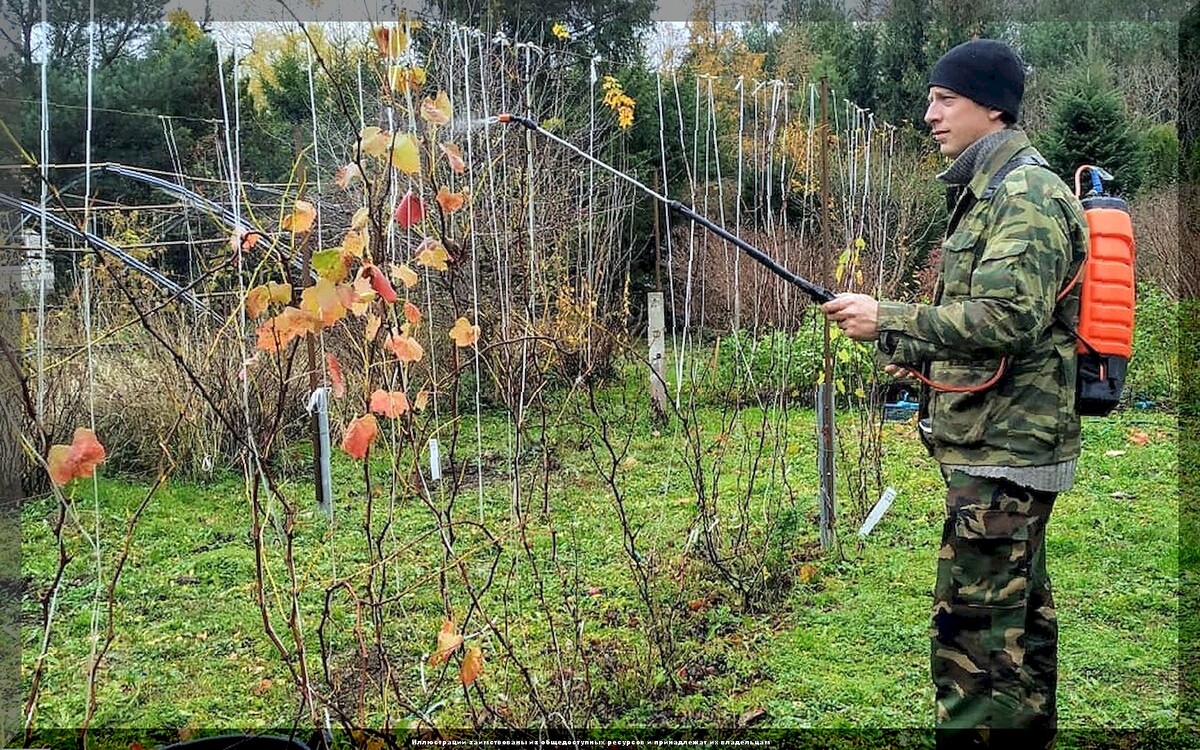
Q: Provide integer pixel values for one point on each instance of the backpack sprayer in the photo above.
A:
(819, 294)
(1106, 304)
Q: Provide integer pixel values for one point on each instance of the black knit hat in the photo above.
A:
(984, 70)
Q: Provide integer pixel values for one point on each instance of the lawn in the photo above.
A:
(619, 624)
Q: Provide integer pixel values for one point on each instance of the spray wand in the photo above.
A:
(818, 293)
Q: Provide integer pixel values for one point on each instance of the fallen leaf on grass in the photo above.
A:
(1139, 437)
(1114, 454)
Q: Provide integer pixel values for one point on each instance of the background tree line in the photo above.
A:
(1098, 91)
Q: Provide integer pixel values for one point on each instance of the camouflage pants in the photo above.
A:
(994, 633)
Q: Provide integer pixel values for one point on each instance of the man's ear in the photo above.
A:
(995, 114)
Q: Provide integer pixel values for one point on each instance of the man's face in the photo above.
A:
(957, 121)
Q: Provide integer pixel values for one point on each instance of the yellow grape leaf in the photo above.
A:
(301, 219)
(421, 401)
(403, 79)
(373, 324)
(390, 404)
(359, 436)
(406, 156)
(559, 30)
(347, 174)
(463, 333)
(354, 243)
(453, 157)
(402, 274)
(77, 460)
(437, 110)
(373, 141)
(432, 254)
(330, 265)
(325, 301)
(412, 313)
(450, 202)
(405, 348)
(449, 640)
(359, 220)
(472, 665)
(261, 296)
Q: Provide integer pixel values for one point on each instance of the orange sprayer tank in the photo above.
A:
(1107, 298)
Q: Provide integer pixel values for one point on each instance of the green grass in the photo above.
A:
(848, 648)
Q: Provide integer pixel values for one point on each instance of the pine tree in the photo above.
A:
(1090, 126)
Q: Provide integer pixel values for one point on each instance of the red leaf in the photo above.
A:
(77, 460)
(335, 376)
(381, 285)
(410, 210)
(412, 313)
(359, 436)
(390, 404)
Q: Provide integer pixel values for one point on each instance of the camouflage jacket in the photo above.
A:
(1004, 262)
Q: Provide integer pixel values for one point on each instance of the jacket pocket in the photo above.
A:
(962, 418)
(958, 264)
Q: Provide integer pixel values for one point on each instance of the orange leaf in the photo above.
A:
(392, 42)
(409, 210)
(77, 460)
(404, 275)
(449, 639)
(412, 313)
(346, 174)
(432, 254)
(390, 404)
(453, 156)
(277, 332)
(437, 110)
(405, 348)
(463, 333)
(335, 376)
(450, 202)
(301, 219)
(808, 571)
(362, 294)
(1139, 437)
(359, 436)
(472, 665)
(380, 283)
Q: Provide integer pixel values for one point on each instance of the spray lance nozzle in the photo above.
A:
(1098, 174)
(818, 293)
(507, 118)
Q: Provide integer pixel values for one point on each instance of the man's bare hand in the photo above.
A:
(898, 372)
(856, 314)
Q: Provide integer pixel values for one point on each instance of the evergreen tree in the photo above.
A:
(904, 62)
(1090, 127)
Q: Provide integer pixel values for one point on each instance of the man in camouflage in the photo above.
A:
(1007, 443)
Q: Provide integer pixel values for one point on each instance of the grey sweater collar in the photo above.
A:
(975, 156)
